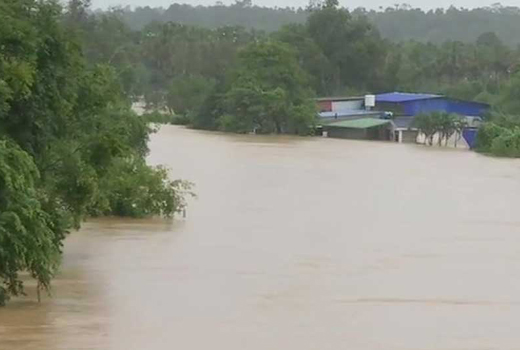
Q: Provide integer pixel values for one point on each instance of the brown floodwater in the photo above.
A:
(295, 243)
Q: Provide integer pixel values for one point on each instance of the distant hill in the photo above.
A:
(397, 24)
(260, 18)
(452, 24)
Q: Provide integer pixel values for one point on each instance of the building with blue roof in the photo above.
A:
(406, 106)
(400, 97)
(409, 104)
(400, 108)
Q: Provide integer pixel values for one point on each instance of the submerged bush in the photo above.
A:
(138, 190)
(507, 144)
(232, 123)
(486, 135)
(498, 140)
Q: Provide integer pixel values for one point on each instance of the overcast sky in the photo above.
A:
(371, 4)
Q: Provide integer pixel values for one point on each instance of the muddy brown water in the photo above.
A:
(295, 243)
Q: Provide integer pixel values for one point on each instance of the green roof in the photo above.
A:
(363, 123)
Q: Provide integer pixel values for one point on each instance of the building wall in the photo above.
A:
(464, 108)
(325, 106)
(467, 108)
(409, 136)
(424, 106)
(380, 133)
(345, 133)
(396, 108)
(455, 141)
(377, 133)
(347, 105)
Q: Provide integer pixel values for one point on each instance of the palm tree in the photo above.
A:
(460, 124)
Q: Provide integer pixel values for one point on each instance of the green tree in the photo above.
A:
(351, 44)
(442, 124)
(427, 125)
(486, 135)
(310, 57)
(507, 144)
(446, 126)
(186, 94)
(269, 92)
(509, 98)
(30, 240)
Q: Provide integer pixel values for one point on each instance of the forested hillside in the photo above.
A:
(396, 24)
(405, 23)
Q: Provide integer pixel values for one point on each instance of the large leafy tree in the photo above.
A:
(269, 92)
(310, 57)
(30, 237)
(351, 44)
(186, 94)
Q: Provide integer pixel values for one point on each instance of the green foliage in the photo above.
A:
(509, 100)
(69, 144)
(448, 125)
(465, 90)
(486, 135)
(403, 23)
(248, 16)
(507, 144)
(351, 44)
(137, 190)
(174, 70)
(442, 124)
(486, 97)
(399, 23)
(211, 110)
(269, 93)
(186, 94)
(500, 137)
(310, 56)
(509, 121)
(29, 239)
(426, 124)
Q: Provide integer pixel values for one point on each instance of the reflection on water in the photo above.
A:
(295, 243)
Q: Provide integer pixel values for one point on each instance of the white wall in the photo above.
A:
(454, 140)
(338, 106)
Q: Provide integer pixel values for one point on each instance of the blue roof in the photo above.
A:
(397, 97)
(349, 113)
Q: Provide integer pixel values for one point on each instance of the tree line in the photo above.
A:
(70, 147)
(397, 23)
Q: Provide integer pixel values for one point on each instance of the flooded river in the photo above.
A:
(295, 244)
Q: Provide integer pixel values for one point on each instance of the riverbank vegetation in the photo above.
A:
(70, 147)
(500, 136)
